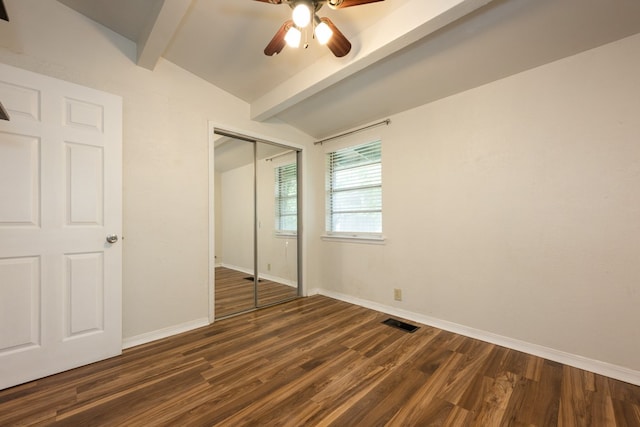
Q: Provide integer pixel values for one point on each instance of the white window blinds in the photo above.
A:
(354, 190)
(286, 198)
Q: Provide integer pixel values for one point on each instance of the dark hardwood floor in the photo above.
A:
(317, 361)
(234, 293)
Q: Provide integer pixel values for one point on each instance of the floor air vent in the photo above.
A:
(401, 325)
(251, 279)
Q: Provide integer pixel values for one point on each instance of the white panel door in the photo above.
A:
(60, 196)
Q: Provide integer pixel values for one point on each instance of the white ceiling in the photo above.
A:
(405, 52)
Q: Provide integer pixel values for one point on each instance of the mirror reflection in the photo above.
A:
(234, 226)
(256, 222)
(277, 187)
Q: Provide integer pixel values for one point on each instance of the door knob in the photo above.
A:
(112, 238)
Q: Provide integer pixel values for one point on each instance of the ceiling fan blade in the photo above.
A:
(277, 43)
(349, 3)
(338, 43)
(3, 11)
(271, 1)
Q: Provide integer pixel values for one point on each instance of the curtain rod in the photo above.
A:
(270, 159)
(384, 122)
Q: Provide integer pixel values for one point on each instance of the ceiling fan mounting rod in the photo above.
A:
(315, 5)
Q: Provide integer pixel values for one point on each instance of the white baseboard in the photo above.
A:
(269, 277)
(237, 268)
(163, 333)
(603, 368)
(279, 280)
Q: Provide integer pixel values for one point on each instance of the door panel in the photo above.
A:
(83, 115)
(85, 294)
(60, 196)
(24, 101)
(20, 180)
(85, 183)
(235, 254)
(19, 303)
(276, 190)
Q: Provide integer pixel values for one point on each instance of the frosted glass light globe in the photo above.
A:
(301, 15)
(293, 37)
(323, 33)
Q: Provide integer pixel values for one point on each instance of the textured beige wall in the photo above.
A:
(165, 149)
(514, 208)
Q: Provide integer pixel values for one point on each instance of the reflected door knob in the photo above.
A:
(112, 238)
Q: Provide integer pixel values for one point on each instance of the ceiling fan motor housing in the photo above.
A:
(314, 5)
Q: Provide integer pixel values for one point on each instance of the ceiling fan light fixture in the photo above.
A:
(304, 12)
(322, 31)
(301, 14)
(293, 37)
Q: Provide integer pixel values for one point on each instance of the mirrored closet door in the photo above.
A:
(277, 214)
(234, 225)
(256, 223)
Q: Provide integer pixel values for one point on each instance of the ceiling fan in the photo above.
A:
(3, 11)
(304, 13)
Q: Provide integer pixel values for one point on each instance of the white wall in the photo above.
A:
(166, 114)
(237, 218)
(514, 209)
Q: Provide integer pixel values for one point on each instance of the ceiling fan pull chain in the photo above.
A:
(306, 37)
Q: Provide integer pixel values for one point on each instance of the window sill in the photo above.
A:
(369, 240)
(279, 235)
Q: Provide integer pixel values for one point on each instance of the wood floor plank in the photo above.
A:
(626, 414)
(541, 402)
(356, 380)
(458, 417)
(320, 362)
(37, 405)
(459, 379)
(496, 400)
(136, 398)
(533, 371)
(383, 401)
(298, 391)
(575, 398)
(418, 405)
(516, 402)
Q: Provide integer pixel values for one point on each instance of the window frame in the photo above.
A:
(360, 185)
(279, 199)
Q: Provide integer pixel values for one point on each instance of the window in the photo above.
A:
(286, 201)
(354, 191)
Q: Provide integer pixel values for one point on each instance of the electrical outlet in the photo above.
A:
(397, 294)
(268, 267)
